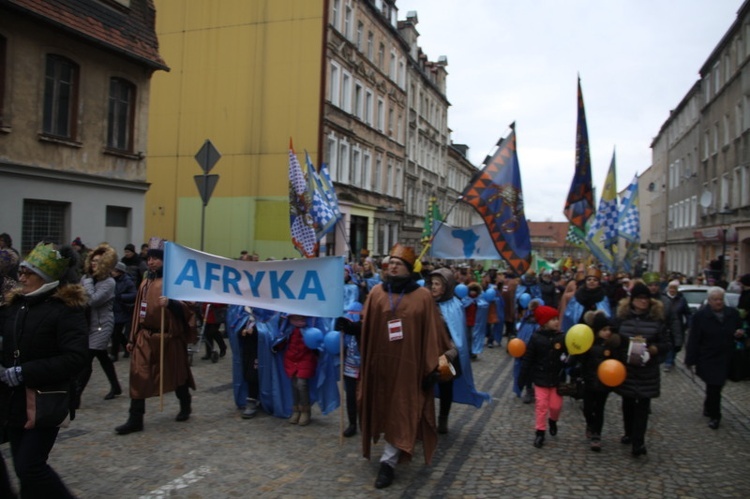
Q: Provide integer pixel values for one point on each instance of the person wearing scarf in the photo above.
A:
(589, 296)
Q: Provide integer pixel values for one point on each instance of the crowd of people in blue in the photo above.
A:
(408, 335)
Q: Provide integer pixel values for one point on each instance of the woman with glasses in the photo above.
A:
(43, 328)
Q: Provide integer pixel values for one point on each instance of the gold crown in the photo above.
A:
(47, 262)
(405, 253)
(594, 272)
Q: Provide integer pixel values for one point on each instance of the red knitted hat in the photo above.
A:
(543, 314)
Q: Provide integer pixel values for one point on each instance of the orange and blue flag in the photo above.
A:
(496, 193)
(579, 206)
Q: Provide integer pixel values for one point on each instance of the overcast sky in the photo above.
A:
(518, 60)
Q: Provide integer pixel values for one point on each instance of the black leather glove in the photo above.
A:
(347, 326)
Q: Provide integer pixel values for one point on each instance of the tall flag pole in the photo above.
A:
(301, 224)
(579, 205)
(602, 235)
(496, 194)
(629, 223)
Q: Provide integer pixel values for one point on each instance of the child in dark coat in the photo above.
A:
(543, 365)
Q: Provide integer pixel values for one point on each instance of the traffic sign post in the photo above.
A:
(207, 157)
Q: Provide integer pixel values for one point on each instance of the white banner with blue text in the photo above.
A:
(310, 286)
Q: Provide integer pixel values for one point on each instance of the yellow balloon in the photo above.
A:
(579, 339)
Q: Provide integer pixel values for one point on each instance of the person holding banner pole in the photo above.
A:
(151, 337)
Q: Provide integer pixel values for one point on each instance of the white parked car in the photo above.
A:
(695, 294)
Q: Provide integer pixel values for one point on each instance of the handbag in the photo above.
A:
(573, 388)
(46, 407)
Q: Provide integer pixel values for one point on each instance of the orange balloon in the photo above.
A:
(611, 372)
(516, 347)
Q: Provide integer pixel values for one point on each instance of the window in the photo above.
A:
(381, 114)
(60, 97)
(344, 163)
(724, 199)
(744, 186)
(707, 81)
(43, 219)
(117, 216)
(348, 21)
(370, 42)
(392, 66)
(402, 73)
(333, 169)
(368, 106)
(366, 161)
(358, 110)
(346, 93)
(706, 143)
(738, 120)
(715, 142)
(381, 56)
(335, 13)
(120, 116)
(378, 175)
(3, 50)
(335, 86)
(360, 28)
(356, 167)
(390, 121)
(389, 180)
(726, 129)
(737, 187)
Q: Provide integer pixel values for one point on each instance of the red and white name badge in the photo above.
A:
(144, 306)
(395, 330)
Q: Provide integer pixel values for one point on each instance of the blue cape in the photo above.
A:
(464, 391)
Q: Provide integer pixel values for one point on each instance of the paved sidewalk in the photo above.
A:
(487, 453)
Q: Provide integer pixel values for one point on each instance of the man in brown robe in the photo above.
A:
(403, 336)
(145, 344)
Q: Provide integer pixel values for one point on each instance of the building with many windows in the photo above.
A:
(699, 186)
(345, 79)
(74, 94)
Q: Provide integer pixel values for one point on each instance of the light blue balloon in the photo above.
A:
(461, 291)
(490, 294)
(524, 300)
(420, 282)
(313, 338)
(332, 342)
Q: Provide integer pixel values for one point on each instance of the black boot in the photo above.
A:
(185, 407)
(385, 476)
(134, 424)
(442, 427)
(113, 392)
(552, 427)
(539, 439)
(351, 430)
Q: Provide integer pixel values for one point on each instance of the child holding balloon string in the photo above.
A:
(596, 390)
(543, 363)
(300, 363)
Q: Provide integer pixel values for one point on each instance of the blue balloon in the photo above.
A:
(524, 300)
(332, 342)
(313, 338)
(420, 282)
(490, 294)
(461, 291)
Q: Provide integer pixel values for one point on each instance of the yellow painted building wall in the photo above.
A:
(245, 74)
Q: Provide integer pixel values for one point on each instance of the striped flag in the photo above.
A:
(629, 223)
(602, 235)
(324, 218)
(433, 215)
(301, 223)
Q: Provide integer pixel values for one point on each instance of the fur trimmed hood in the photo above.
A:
(655, 311)
(72, 295)
(107, 261)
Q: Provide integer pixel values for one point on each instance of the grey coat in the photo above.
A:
(101, 297)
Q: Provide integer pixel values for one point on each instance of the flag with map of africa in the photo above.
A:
(496, 193)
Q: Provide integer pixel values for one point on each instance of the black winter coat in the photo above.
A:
(51, 334)
(589, 362)
(125, 292)
(711, 342)
(642, 381)
(543, 361)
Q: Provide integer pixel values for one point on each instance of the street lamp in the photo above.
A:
(724, 212)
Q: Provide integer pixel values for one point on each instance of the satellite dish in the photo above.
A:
(706, 199)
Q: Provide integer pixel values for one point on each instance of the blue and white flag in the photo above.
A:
(629, 220)
(312, 286)
(602, 236)
(458, 243)
(323, 214)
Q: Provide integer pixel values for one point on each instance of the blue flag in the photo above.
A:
(602, 236)
(579, 206)
(496, 193)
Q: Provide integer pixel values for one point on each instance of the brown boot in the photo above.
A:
(294, 419)
(304, 418)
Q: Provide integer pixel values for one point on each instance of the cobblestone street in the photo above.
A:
(488, 452)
